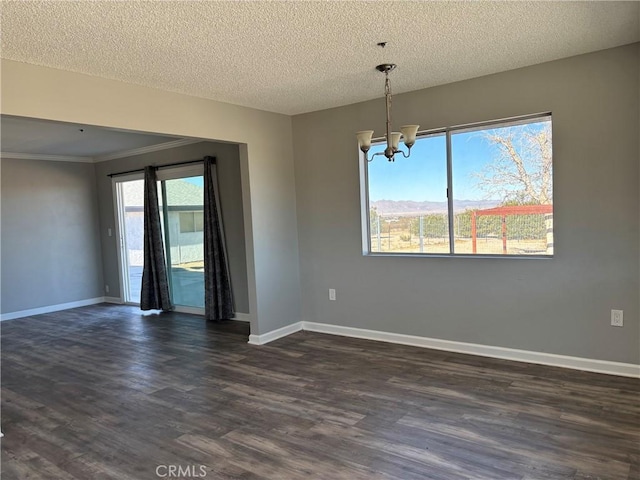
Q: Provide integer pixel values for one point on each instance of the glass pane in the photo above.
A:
(185, 252)
(502, 189)
(186, 222)
(199, 221)
(133, 236)
(408, 199)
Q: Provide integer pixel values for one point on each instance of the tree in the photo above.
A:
(373, 219)
(521, 171)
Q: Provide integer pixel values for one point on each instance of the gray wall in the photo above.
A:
(560, 305)
(228, 161)
(266, 162)
(49, 234)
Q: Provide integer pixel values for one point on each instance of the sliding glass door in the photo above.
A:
(130, 209)
(181, 198)
(183, 201)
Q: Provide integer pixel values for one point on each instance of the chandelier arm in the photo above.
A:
(405, 155)
(374, 155)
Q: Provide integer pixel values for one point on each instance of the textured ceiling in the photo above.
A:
(300, 56)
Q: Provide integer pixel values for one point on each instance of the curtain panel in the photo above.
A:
(155, 284)
(218, 299)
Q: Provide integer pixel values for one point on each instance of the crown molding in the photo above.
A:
(101, 158)
(49, 158)
(149, 149)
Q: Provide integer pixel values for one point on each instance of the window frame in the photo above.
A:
(448, 132)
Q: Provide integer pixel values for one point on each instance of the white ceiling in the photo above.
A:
(300, 56)
(43, 139)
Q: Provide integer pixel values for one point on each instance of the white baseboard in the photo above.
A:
(541, 358)
(242, 317)
(275, 334)
(51, 308)
(551, 359)
(113, 300)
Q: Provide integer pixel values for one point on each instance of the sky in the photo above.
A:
(195, 180)
(423, 176)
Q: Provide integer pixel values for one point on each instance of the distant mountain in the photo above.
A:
(462, 205)
(410, 207)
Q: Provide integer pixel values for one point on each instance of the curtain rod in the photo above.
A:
(137, 170)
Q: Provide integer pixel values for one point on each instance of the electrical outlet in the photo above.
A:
(106, 288)
(109, 232)
(616, 318)
(332, 294)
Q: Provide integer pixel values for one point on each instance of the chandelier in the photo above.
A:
(407, 132)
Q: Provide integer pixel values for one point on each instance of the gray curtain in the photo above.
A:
(218, 299)
(155, 284)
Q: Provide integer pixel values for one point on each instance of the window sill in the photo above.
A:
(458, 255)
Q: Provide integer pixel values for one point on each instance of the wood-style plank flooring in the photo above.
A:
(104, 392)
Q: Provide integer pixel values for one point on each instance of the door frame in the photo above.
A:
(118, 208)
(175, 173)
(163, 174)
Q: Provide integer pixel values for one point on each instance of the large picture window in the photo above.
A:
(484, 189)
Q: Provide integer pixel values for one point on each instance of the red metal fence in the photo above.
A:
(503, 212)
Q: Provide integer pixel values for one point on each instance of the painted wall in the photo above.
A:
(266, 162)
(228, 161)
(560, 305)
(49, 234)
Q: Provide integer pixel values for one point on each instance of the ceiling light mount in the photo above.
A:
(386, 67)
(407, 132)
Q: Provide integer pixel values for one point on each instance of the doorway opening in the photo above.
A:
(181, 202)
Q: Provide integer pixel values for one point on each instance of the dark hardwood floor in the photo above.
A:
(104, 392)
